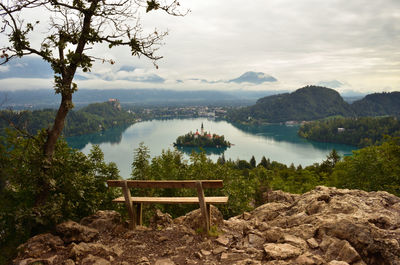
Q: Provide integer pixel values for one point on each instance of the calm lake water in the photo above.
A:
(277, 142)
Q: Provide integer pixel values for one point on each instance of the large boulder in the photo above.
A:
(194, 219)
(71, 231)
(350, 226)
(103, 220)
(160, 220)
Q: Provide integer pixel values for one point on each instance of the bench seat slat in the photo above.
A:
(166, 183)
(174, 200)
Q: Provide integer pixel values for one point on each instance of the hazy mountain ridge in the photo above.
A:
(316, 102)
(46, 98)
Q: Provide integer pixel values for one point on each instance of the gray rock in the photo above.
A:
(94, 260)
(69, 262)
(143, 261)
(281, 251)
(83, 249)
(248, 262)
(39, 245)
(337, 262)
(219, 250)
(164, 262)
(205, 252)
(312, 243)
(294, 240)
(160, 220)
(223, 240)
(279, 196)
(255, 240)
(71, 231)
(103, 220)
(194, 219)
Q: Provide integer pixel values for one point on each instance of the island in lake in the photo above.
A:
(202, 139)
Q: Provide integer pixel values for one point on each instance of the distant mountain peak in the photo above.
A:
(330, 83)
(254, 78)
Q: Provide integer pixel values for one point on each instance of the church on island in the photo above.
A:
(202, 133)
(202, 139)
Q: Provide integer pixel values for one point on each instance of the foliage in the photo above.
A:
(93, 118)
(307, 103)
(378, 104)
(140, 164)
(359, 132)
(77, 188)
(372, 168)
(313, 103)
(206, 140)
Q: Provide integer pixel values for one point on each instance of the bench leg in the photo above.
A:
(139, 218)
(209, 214)
(203, 206)
(129, 206)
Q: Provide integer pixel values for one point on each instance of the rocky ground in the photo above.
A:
(324, 226)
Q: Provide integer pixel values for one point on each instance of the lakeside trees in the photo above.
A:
(93, 118)
(361, 132)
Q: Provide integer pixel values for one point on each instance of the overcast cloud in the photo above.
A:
(351, 44)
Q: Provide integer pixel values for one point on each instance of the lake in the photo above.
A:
(276, 142)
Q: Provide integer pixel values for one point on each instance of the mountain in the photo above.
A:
(378, 104)
(45, 98)
(254, 78)
(307, 103)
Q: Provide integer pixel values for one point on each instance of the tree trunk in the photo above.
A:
(54, 133)
(49, 146)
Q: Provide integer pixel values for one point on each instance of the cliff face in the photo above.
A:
(323, 226)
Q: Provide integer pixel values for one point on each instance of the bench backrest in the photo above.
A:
(191, 184)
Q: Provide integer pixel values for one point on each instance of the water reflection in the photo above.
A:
(208, 150)
(277, 142)
(277, 132)
(112, 136)
(288, 133)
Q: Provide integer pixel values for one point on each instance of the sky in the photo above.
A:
(252, 45)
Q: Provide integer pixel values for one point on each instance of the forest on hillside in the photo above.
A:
(361, 132)
(92, 118)
(314, 103)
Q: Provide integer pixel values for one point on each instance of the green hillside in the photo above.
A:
(307, 103)
(361, 131)
(95, 117)
(378, 104)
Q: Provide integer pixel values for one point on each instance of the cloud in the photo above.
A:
(127, 68)
(4, 68)
(152, 78)
(254, 78)
(330, 84)
(301, 42)
(27, 67)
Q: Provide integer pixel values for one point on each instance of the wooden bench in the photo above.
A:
(134, 204)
